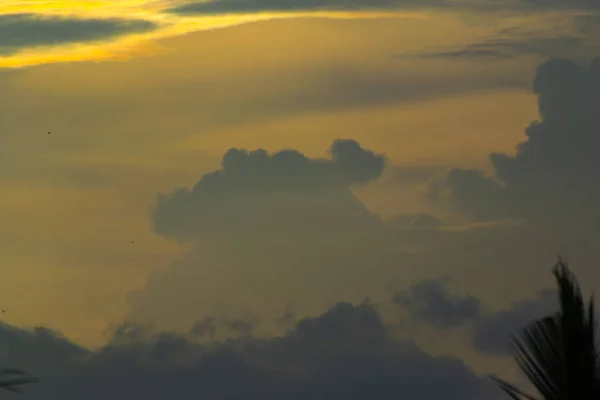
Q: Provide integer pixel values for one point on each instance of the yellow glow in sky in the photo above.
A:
(125, 46)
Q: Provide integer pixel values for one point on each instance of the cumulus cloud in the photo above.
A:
(256, 190)
(21, 31)
(346, 352)
(491, 333)
(553, 176)
(263, 228)
(430, 301)
(269, 229)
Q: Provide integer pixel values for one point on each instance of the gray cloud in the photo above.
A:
(572, 36)
(553, 176)
(502, 48)
(429, 301)
(205, 327)
(241, 326)
(256, 190)
(346, 352)
(588, 24)
(263, 227)
(556, 4)
(249, 6)
(491, 334)
(36, 350)
(421, 220)
(20, 31)
(489, 331)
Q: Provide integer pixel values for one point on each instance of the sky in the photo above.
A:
(297, 196)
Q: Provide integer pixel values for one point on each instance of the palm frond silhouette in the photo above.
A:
(558, 353)
(15, 379)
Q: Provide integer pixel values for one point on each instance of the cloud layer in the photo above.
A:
(21, 31)
(251, 6)
(347, 352)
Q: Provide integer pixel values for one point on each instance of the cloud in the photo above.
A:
(262, 227)
(552, 176)
(254, 6)
(251, 6)
(117, 104)
(36, 350)
(489, 331)
(588, 24)
(21, 31)
(429, 301)
(421, 220)
(502, 48)
(271, 228)
(205, 327)
(256, 190)
(491, 334)
(558, 4)
(241, 326)
(570, 35)
(346, 352)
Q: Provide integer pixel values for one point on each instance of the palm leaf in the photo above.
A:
(558, 353)
(19, 378)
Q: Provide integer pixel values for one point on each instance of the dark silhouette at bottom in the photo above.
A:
(558, 353)
(15, 379)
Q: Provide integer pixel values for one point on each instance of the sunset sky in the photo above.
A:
(286, 173)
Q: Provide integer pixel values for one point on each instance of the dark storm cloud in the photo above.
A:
(255, 189)
(21, 31)
(250, 6)
(491, 333)
(346, 353)
(554, 175)
(430, 301)
(36, 350)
